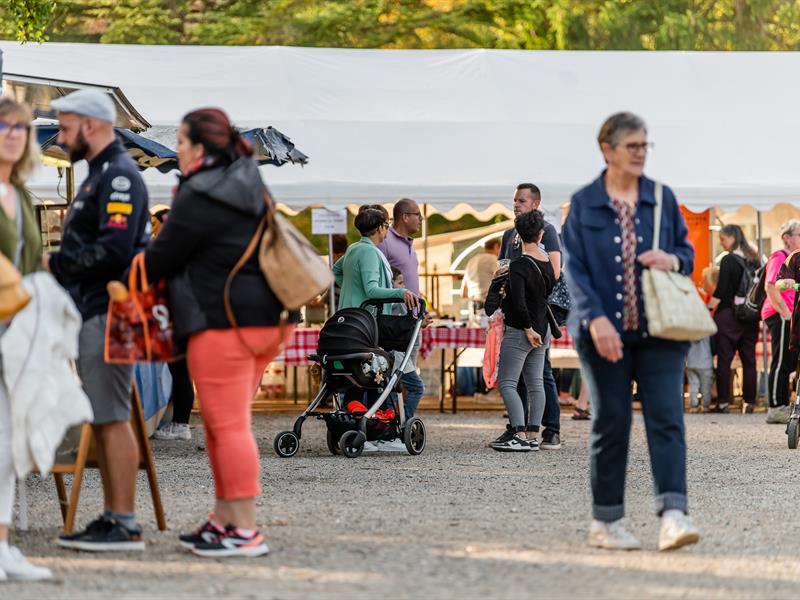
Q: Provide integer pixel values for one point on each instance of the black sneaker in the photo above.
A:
(720, 409)
(550, 441)
(233, 543)
(206, 534)
(506, 435)
(533, 443)
(515, 444)
(104, 535)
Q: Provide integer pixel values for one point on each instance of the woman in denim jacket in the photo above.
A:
(608, 237)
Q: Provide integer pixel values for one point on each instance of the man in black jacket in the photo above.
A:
(107, 224)
(528, 198)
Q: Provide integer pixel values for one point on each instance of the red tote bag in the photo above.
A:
(139, 326)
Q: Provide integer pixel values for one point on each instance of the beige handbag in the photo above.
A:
(291, 265)
(674, 309)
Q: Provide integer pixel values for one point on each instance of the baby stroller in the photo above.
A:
(354, 354)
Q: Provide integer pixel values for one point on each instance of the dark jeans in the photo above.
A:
(551, 421)
(182, 392)
(784, 361)
(657, 367)
(734, 336)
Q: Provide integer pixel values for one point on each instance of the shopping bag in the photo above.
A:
(139, 326)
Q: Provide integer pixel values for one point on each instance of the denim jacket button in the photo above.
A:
(618, 258)
(637, 221)
(619, 296)
(618, 315)
(619, 277)
(640, 239)
(617, 239)
(616, 221)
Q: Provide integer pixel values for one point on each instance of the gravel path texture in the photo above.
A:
(459, 521)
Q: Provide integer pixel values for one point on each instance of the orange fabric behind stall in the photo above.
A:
(699, 236)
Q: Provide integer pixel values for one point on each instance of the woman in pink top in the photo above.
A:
(777, 314)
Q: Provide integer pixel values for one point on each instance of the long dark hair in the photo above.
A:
(740, 243)
(221, 140)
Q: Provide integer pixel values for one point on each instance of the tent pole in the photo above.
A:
(425, 246)
(763, 323)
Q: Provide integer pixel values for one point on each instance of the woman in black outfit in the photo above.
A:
(526, 338)
(734, 335)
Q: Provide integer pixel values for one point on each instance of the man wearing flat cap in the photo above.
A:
(107, 224)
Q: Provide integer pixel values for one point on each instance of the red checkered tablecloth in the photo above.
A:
(304, 342)
(470, 337)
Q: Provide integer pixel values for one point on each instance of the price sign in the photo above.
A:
(328, 222)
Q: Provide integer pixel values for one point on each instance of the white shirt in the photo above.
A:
(478, 276)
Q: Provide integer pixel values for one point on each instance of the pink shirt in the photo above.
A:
(774, 263)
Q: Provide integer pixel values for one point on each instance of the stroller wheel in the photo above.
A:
(352, 443)
(414, 436)
(793, 432)
(286, 444)
(333, 444)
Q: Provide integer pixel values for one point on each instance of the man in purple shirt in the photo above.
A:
(398, 247)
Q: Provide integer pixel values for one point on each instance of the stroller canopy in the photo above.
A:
(349, 330)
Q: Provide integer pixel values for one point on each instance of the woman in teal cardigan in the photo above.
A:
(363, 273)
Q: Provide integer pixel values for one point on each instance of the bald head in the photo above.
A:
(407, 217)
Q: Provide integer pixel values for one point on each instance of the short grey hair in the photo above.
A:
(618, 125)
(790, 227)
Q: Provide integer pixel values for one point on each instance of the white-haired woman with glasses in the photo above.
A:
(777, 314)
(608, 235)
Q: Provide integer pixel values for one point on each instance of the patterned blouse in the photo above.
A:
(630, 311)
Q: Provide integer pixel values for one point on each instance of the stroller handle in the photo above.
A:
(423, 307)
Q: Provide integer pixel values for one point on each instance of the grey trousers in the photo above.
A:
(699, 381)
(517, 356)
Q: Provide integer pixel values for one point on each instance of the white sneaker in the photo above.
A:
(612, 536)
(369, 447)
(395, 445)
(677, 530)
(16, 567)
(174, 431)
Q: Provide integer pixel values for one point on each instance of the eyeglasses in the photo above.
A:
(634, 148)
(386, 224)
(16, 127)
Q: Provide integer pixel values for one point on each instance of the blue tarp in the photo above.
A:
(145, 152)
(271, 148)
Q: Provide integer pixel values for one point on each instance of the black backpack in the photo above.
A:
(750, 294)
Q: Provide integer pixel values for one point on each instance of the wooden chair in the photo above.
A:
(87, 457)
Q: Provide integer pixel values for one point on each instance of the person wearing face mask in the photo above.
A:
(107, 225)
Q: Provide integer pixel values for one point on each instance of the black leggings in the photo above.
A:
(182, 392)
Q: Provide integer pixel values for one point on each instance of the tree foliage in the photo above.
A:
(519, 24)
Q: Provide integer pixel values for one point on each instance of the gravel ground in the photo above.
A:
(460, 521)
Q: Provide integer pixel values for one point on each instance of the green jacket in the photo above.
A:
(363, 275)
(32, 246)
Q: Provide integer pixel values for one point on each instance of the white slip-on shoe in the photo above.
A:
(612, 536)
(16, 567)
(395, 445)
(369, 447)
(677, 530)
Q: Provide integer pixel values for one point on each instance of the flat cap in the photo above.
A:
(88, 103)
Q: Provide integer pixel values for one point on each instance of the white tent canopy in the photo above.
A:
(449, 127)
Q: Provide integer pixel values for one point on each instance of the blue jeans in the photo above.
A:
(657, 367)
(551, 421)
(414, 390)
